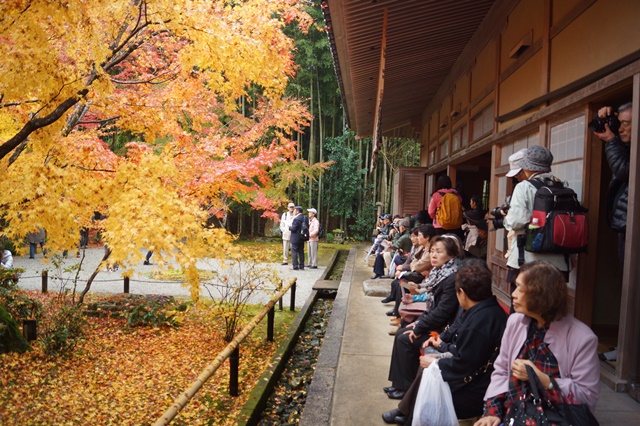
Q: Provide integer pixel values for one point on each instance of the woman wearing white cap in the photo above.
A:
(314, 229)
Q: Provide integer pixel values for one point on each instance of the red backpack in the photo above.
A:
(559, 223)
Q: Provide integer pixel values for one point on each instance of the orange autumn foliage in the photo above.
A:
(76, 73)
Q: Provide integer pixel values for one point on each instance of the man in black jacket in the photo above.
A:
(618, 151)
(617, 148)
(300, 223)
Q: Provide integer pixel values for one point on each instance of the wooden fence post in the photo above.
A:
(45, 281)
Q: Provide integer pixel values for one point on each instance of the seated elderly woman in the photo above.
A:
(418, 266)
(543, 335)
(471, 342)
(442, 304)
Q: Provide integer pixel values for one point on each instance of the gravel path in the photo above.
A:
(141, 283)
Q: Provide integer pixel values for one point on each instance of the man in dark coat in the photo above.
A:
(468, 346)
(299, 224)
(617, 148)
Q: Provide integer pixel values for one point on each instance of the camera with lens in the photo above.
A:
(597, 124)
(498, 217)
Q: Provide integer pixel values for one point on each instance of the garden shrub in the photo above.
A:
(65, 331)
(155, 314)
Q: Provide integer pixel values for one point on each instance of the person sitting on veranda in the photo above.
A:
(420, 265)
(383, 230)
(445, 254)
(542, 334)
(466, 349)
(400, 246)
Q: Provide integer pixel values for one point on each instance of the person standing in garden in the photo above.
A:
(285, 223)
(36, 237)
(299, 234)
(314, 237)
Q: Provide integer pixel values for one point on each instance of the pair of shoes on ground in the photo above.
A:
(297, 269)
(394, 393)
(146, 262)
(394, 416)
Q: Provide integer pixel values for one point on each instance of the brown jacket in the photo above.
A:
(421, 261)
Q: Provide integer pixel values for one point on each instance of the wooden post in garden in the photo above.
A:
(234, 364)
(126, 285)
(45, 281)
(292, 306)
(270, 319)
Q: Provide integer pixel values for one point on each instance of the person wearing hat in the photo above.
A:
(400, 247)
(285, 223)
(314, 231)
(299, 223)
(535, 165)
(515, 165)
(476, 230)
(382, 233)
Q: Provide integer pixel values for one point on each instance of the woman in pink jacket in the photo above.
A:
(543, 335)
(443, 186)
(314, 230)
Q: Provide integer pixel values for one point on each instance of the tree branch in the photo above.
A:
(37, 123)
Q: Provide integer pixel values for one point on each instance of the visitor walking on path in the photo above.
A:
(36, 237)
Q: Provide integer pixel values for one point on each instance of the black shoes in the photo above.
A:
(391, 313)
(377, 276)
(389, 389)
(394, 416)
(146, 262)
(396, 394)
(387, 300)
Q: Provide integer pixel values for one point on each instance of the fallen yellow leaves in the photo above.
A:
(129, 376)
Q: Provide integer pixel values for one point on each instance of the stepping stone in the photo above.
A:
(377, 288)
(326, 285)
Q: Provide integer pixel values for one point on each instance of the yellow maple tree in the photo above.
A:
(168, 73)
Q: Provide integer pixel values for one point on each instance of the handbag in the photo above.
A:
(413, 276)
(410, 312)
(577, 414)
(536, 407)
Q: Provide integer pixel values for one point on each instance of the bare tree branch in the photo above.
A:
(37, 123)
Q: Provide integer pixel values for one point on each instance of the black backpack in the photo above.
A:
(304, 229)
(559, 223)
(320, 231)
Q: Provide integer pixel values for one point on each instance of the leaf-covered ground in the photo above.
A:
(130, 376)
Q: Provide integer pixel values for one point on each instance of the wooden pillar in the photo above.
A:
(629, 335)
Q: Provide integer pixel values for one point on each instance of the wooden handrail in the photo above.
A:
(210, 370)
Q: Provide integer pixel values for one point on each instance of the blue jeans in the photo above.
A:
(32, 249)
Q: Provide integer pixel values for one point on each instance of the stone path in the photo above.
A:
(61, 277)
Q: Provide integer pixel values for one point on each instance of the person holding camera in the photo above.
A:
(614, 129)
(536, 164)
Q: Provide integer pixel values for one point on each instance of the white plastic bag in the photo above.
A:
(434, 404)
